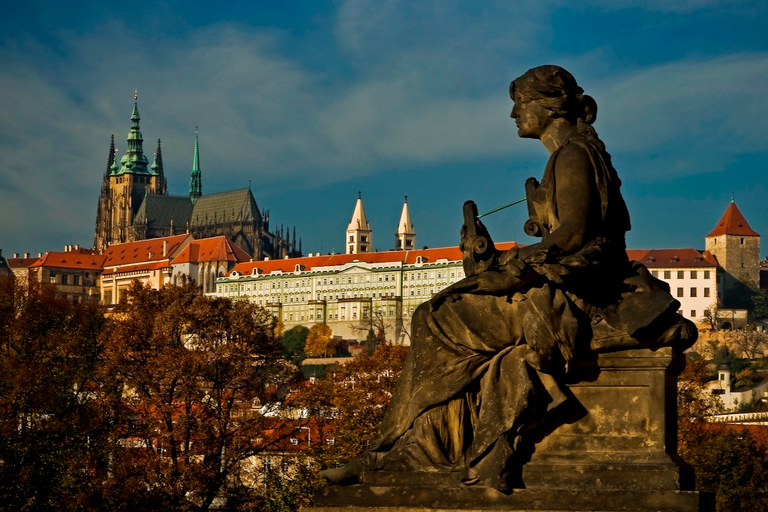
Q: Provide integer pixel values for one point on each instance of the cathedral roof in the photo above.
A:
(733, 223)
(160, 210)
(234, 205)
(217, 248)
(673, 258)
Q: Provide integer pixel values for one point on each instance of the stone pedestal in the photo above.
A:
(618, 453)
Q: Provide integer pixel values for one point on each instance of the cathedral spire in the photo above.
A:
(133, 160)
(195, 180)
(111, 156)
(157, 169)
(405, 235)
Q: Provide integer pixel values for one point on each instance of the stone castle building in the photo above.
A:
(134, 205)
(737, 249)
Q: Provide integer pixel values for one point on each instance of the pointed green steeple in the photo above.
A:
(195, 180)
(133, 160)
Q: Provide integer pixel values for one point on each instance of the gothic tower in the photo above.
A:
(125, 185)
(359, 234)
(195, 180)
(737, 249)
(405, 236)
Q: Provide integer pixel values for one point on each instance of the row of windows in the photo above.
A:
(693, 292)
(694, 274)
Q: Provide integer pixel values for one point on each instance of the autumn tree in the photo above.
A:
(728, 462)
(350, 401)
(50, 425)
(319, 340)
(191, 379)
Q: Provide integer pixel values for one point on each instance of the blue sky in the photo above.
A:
(313, 101)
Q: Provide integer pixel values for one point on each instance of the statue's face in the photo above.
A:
(530, 117)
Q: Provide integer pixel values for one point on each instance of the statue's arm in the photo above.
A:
(576, 200)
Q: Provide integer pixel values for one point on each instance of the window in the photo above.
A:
(679, 292)
(681, 274)
(693, 292)
(667, 274)
(64, 279)
(706, 274)
(693, 313)
(693, 274)
(706, 292)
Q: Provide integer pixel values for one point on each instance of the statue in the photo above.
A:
(490, 353)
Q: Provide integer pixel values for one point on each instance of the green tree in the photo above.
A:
(50, 423)
(191, 379)
(294, 340)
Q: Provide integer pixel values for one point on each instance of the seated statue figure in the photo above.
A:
(490, 353)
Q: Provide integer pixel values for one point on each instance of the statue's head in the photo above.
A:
(555, 89)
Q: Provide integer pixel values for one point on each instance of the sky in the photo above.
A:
(314, 101)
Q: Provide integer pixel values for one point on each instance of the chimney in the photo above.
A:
(26, 255)
(165, 248)
(77, 247)
(39, 255)
(15, 255)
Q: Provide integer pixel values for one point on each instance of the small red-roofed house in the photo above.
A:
(691, 275)
(148, 261)
(19, 265)
(75, 272)
(208, 259)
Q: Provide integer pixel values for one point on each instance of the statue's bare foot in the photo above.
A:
(349, 474)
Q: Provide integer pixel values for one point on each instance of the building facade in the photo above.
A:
(134, 205)
(75, 273)
(690, 274)
(353, 294)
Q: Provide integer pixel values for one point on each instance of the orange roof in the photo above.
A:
(395, 257)
(72, 260)
(733, 223)
(144, 250)
(21, 262)
(217, 248)
(673, 258)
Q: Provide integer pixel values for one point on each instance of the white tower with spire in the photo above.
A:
(359, 234)
(405, 236)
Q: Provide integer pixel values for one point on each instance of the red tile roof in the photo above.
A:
(72, 260)
(217, 248)
(144, 250)
(733, 223)
(21, 262)
(394, 257)
(673, 258)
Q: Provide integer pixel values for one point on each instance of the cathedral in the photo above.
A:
(134, 205)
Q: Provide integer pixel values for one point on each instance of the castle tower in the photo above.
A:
(405, 236)
(737, 249)
(359, 234)
(125, 185)
(195, 180)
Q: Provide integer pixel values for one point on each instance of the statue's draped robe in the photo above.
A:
(482, 369)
